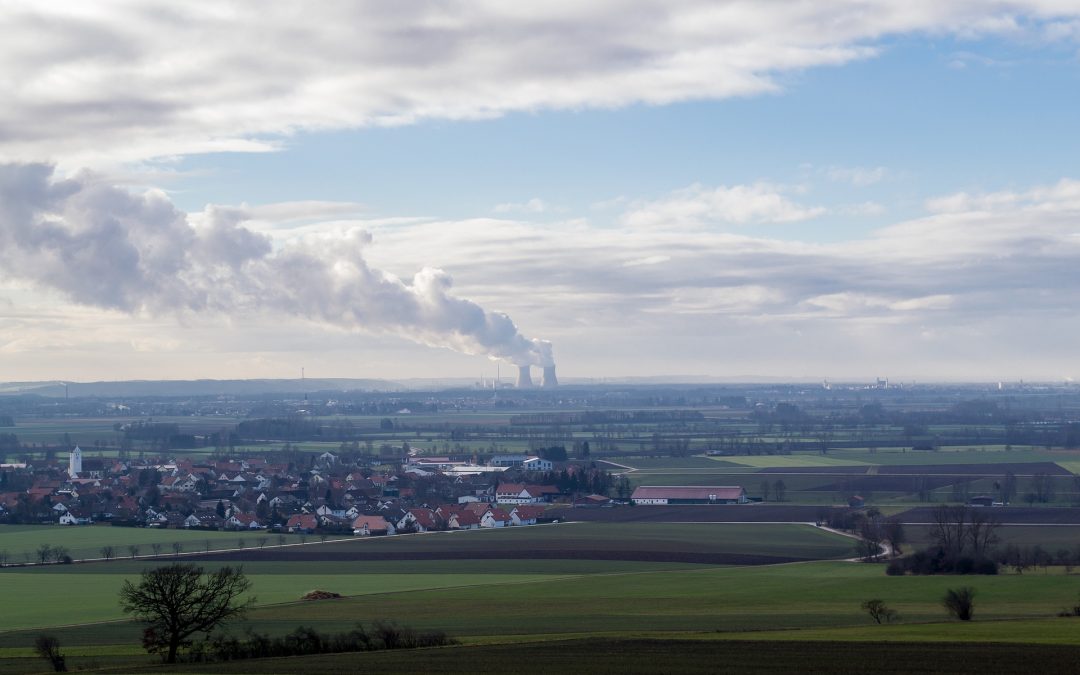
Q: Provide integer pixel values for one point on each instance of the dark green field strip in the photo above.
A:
(693, 557)
(352, 566)
(1019, 515)
(1051, 538)
(606, 655)
(660, 542)
(994, 469)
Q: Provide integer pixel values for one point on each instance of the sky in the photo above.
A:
(739, 190)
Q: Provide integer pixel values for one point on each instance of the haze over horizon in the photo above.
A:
(849, 189)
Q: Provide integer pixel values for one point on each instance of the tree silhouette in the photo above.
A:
(178, 600)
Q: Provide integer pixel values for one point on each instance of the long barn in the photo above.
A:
(689, 494)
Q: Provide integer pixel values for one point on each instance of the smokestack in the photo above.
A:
(524, 380)
(549, 380)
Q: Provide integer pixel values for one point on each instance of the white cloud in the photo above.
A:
(120, 80)
(858, 176)
(698, 206)
(534, 205)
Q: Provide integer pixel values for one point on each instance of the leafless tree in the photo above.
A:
(48, 648)
(108, 552)
(44, 553)
(982, 530)
(156, 548)
(948, 528)
(893, 533)
(60, 554)
(177, 548)
(779, 489)
(177, 601)
(879, 611)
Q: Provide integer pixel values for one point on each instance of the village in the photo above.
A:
(331, 494)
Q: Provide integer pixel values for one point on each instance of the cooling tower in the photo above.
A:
(549, 380)
(524, 380)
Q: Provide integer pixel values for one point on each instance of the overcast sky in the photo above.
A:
(847, 189)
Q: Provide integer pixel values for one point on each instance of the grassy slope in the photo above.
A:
(40, 596)
(798, 541)
(86, 541)
(802, 601)
(598, 655)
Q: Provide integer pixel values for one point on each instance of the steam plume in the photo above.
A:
(107, 247)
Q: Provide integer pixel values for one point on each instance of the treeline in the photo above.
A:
(607, 417)
(592, 480)
(163, 435)
(7, 421)
(306, 641)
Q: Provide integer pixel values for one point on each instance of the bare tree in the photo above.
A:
(48, 648)
(869, 546)
(177, 601)
(948, 528)
(779, 488)
(60, 554)
(156, 548)
(765, 487)
(108, 552)
(879, 611)
(263, 541)
(893, 533)
(982, 530)
(177, 548)
(133, 550)
(44, 553)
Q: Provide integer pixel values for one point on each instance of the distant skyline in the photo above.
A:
(775, 190)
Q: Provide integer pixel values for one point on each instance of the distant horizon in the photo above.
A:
(871, 381)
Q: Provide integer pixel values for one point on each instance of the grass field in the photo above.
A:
(36, 596)
(683, 657)
(803, 601)
(85, 542)
(485, 602)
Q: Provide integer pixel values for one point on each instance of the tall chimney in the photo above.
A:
(549, 380)
(524, 380)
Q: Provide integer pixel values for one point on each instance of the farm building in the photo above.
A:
(688, 494)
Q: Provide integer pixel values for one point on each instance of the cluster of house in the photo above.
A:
(417, 495)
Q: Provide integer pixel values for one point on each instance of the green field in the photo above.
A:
(817, 601)
(682, 657)
(85, 542)
(493, 603)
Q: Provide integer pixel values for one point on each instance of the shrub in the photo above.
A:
(960, 602)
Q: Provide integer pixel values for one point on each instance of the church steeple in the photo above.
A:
(75, 462)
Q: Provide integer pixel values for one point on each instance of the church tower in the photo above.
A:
(75, 462)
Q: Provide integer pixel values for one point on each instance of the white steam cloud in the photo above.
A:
(107, 247)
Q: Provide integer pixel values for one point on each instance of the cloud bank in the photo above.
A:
(122, 80)
(106, 247)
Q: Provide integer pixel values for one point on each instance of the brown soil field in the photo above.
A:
(705, 513)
